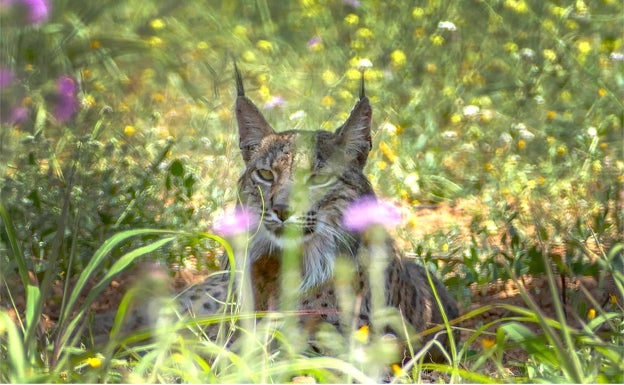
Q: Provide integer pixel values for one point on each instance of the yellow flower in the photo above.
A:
(387, 151)
(95, 44)
(94, 362)
(613, 299)
(155, 41)
(550, 115)
(549, 55)
(158, 97)
(431, 68)
(129, 130)
(203, 45)
(510, 46)
(398, 58)
(489, 167)
(353, 74)
(418, 12)
(264, 45)
(364, 33)
(591, 314)
(488, 343)
(456, 118)
(328, 101)
(521, 144)
(329, 77)
(249, 56)
(361, 335)
(602, 92)
(397, 370)
(436, 39)
(157, 24)
(583, 47)
(352, 19)
(561, 150)
(240, 31)
(382, 165)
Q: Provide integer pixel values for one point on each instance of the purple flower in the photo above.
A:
(367, 211)
(275, 101)
(67, 103)
(18, 115)
(37, 11)
(238, 222)
(352, 3)
(314, 42)
(6, 77)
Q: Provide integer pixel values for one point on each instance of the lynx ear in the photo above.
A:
(354, 135)
(252, 126)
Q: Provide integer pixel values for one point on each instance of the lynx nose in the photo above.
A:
(282, 211)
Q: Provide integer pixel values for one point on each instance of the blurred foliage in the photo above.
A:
(117, 115)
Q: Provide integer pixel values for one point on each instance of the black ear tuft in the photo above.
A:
(240, 90)
(362, 91)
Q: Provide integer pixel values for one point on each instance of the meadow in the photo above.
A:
(498, 129)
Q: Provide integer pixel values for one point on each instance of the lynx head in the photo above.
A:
(300, 182)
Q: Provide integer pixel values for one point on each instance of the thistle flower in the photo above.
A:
(240, 221)
(6, 77)
(67, 103)
(37, 11)
(367, 211)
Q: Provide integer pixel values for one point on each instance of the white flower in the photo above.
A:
(364, 63)
(447, 25)
(450, 135)
(297, 115)
(470, 111)
(591, 131)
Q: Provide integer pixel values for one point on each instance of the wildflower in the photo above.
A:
(37, 11)
(158, 97)
(367, 211)
(488, 343)
(418, 13)
(510, 46)
(264, 45)
(353, 74)
(274, 101)
(328, 101)
(329, 77)
(364, 63)
(613, 299)
(364, 33)
(602, 92)
(129, 130)
(155, 41)
(470, 111)
(550, 115)
(591, 314)
(616, 56)
(361, 335)
(436, 39)
(94, 362)
(431, 68)
(203, 45)
(381, 165)
(447, 25)
(584, 47)
(455, 118)
(398, 58)
(6, 77)
(352, 3)
(561, 150)
(18, 115)
(240, 31)
(236, 223)
(387, 151)
(351, 19)
(397, 370)
(315, 44)
(157, 24)
(549, 55)
(66, 99)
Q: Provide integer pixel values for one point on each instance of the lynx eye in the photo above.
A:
(264, 176)
(320, 180)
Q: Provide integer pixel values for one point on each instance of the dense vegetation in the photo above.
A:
(118, 143)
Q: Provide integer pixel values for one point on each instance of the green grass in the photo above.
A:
(515, 106)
